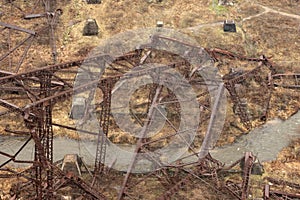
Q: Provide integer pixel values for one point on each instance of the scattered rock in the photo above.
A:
(66, 197)
(225, 3)
(78, 107)
(159, 24)
(72, 163)
(229, 26)
(90, 28)
(154, 1)
(93, 1)
(257, 168)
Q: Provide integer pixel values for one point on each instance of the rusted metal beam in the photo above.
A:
(246, 75)
(38, 71)
(17, 132)
(17, 89)
(214, 51)
(61, 80)
(285, 194)
(287, 75)
(79, 182)
(29, 93)
(210, 135)
(248, 163)
(236, 101)
(42, 108)
(62, 95)
(24, 55)
(5, 73)
(12, 173)
(17, 28)
(140, 142)
(10, 106)
(266, 192)
(14, 48)
(283, 182)
(12, 157)
(56, 67)
(144, 58)
(74, 129)
(104, 124)
(234, 189)
(167, 195)
(206, 166)
(33, 16)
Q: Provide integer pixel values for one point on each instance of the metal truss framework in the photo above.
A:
(46, 178)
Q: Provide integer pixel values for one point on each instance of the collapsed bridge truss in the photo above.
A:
(32, 94)
(37, 115)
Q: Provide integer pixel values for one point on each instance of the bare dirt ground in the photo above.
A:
(271, 28)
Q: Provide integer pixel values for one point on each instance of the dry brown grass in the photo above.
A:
(270, 34)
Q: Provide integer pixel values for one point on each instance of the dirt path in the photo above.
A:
(254, 16)
(204, 25)
(266, 10)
